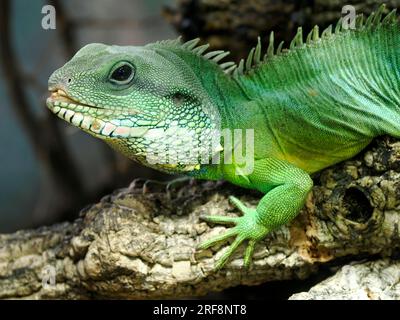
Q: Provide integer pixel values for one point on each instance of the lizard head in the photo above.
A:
(143, 101)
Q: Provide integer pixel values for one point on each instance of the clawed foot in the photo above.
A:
(246, 228)
(147, 185)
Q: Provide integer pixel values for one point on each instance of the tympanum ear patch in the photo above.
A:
(178, 99)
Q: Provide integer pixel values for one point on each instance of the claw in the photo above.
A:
(238, 204)
(249, 253)
(135, 182)
(144, 184)
(221, 219)
(222, 261)
(215, 240)
(177, 181)
(246, 228)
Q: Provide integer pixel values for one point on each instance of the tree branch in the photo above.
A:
(373, 280)
(135, 245)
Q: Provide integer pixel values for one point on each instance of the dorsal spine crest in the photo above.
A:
(254, 60)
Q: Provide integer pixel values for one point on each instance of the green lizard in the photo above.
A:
(313, 105)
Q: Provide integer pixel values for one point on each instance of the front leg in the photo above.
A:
(286, 187)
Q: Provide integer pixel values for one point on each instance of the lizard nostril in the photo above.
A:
(69, 80)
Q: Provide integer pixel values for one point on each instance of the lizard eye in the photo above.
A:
(122, 73)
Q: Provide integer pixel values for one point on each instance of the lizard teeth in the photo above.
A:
(87, 122)
(73, 114)
(138, 131)
(77, 119)
(108, 129)
(121, 132)
(97, 125)
(62, 113)
(68, 115)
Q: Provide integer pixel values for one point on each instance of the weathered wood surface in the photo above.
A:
(135, 245)
(372, 280)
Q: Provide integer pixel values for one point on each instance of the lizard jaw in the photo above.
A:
(86, 117)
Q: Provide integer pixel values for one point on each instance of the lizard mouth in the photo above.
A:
(62, 97)
(91, 118)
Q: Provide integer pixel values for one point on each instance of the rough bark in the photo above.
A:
(135, 245)
(374, 280)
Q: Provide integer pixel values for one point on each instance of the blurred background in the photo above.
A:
(49, 170)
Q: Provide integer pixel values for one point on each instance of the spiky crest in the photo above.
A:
(254, 60)
(374, 21)
(200, 50)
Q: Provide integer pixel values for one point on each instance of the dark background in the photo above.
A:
(49, 169)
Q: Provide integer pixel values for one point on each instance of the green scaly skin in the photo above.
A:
(316, 104)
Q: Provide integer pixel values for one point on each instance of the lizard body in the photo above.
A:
(316, 104)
